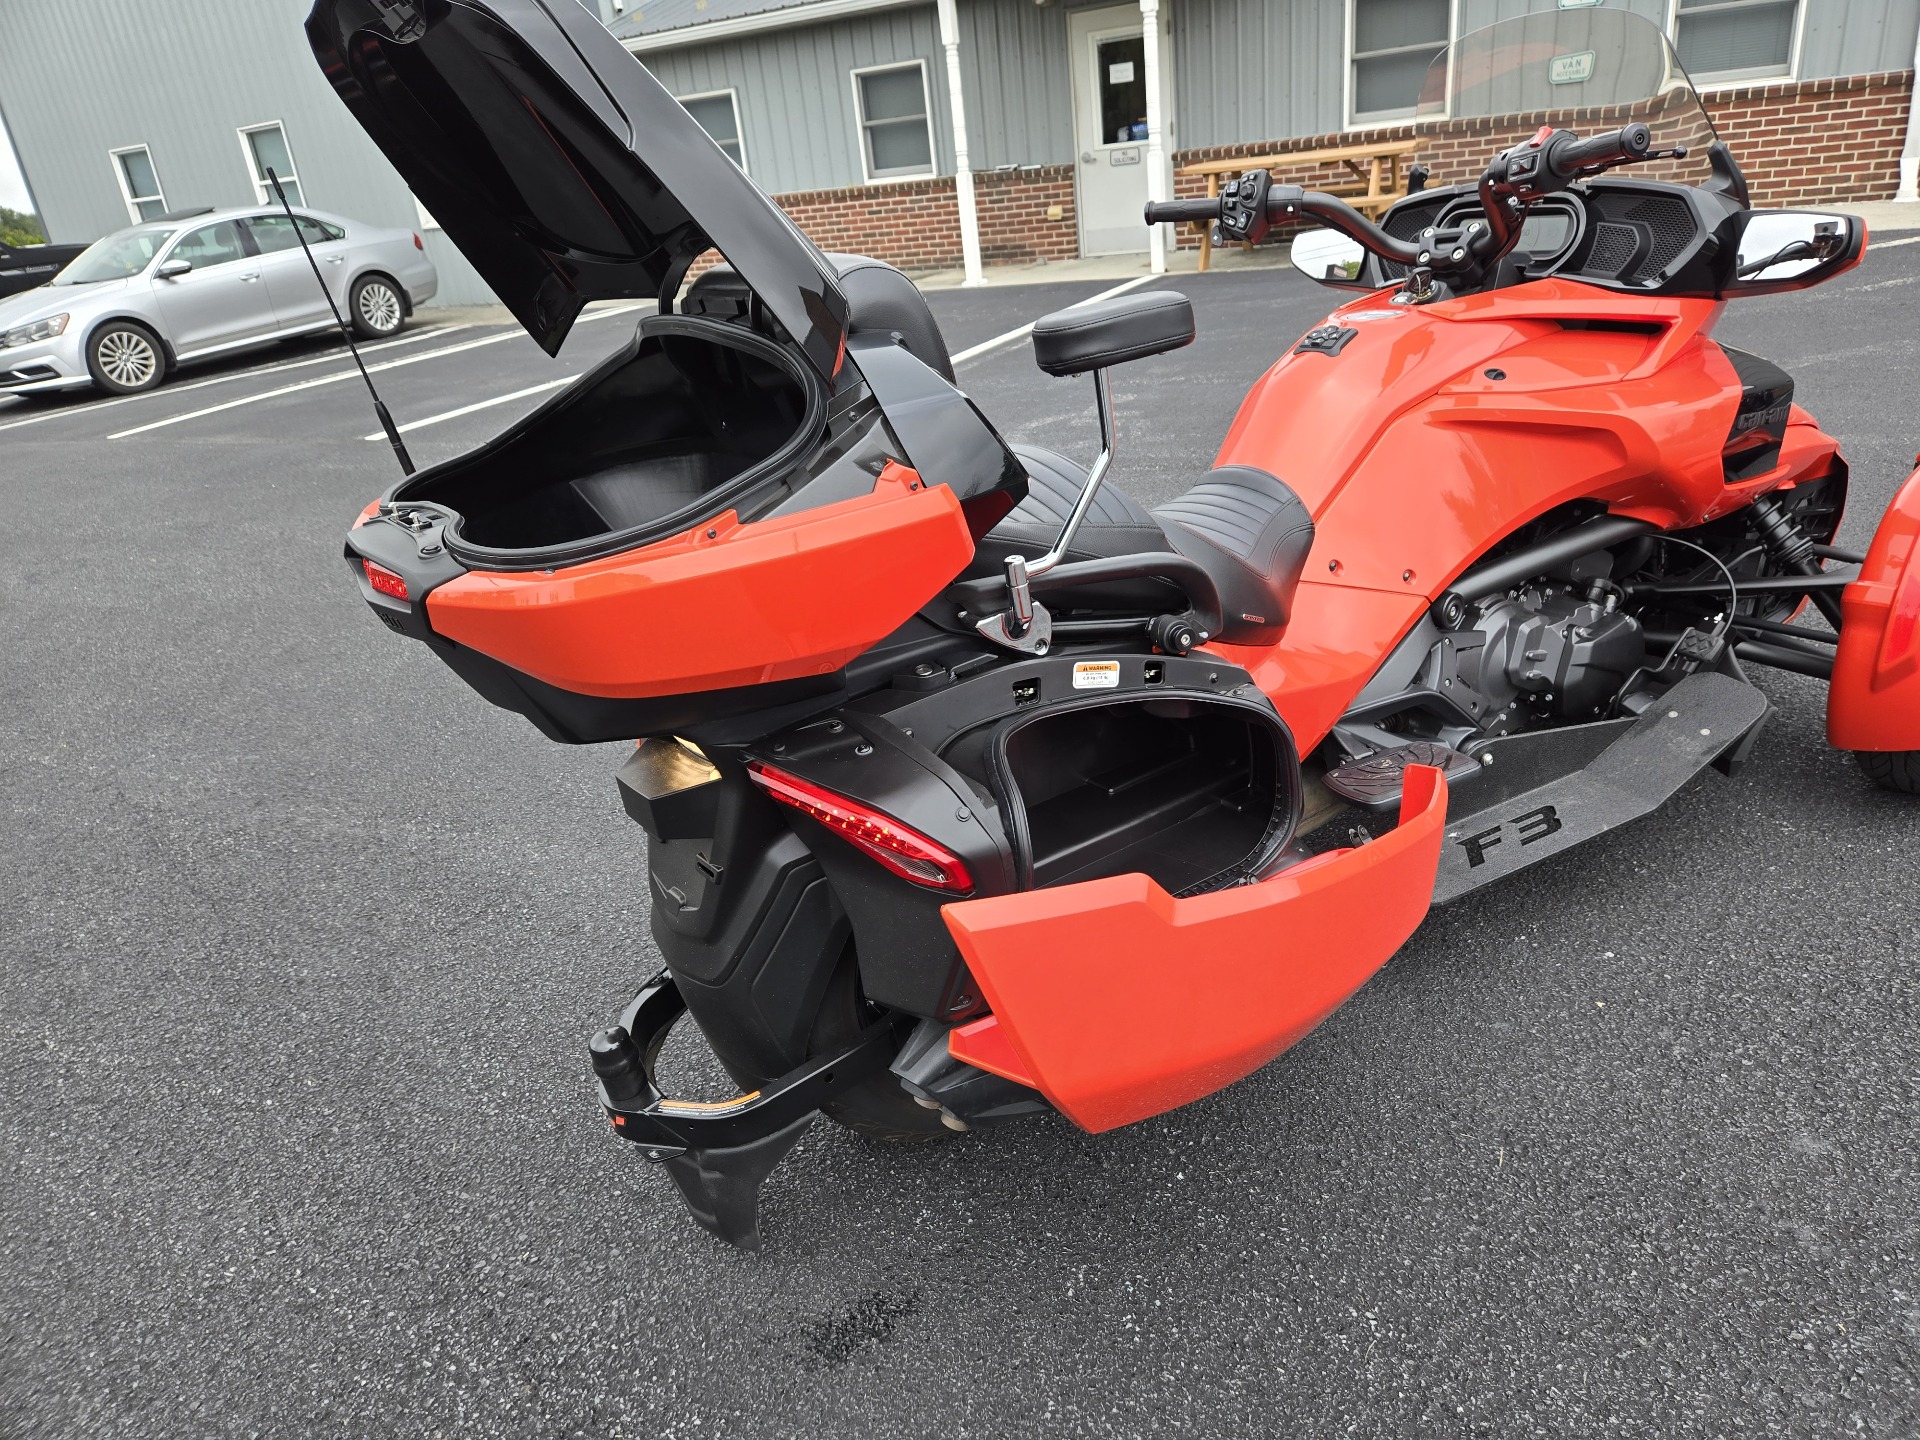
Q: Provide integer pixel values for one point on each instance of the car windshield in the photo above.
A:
(1585, 70)
(116, 257)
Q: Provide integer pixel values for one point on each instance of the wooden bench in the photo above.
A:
(1373, 179)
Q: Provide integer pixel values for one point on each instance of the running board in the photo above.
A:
(1644, 765)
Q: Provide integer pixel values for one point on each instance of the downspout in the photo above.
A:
(962, 161)
(1156, 131)
(1909, 191)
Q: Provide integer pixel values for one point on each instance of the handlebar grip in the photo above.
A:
(1161, 212)
(1629, 142)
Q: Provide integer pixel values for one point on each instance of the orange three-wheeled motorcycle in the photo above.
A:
(975, 790)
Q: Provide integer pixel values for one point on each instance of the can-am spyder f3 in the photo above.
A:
(972, 788)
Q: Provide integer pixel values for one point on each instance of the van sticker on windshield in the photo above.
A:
(1570, 69)
(1096, 675)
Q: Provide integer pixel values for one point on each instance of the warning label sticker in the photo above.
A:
(1096, 675)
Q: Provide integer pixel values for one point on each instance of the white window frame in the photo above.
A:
(739, 130)
(1734, 79)
(126, 191)
(1375, 119)
(867, 176)
(262, 191)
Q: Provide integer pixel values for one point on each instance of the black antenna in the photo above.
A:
(346, 331)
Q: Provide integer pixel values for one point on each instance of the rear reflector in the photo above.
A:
(385, 581)
(907, 853)
(418, 244)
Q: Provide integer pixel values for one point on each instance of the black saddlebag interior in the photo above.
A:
(692, 418)
(1194, 792)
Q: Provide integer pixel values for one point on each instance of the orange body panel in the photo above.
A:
(1874, 700)
(724, 604)
(1441, 429)
(1117, 1001)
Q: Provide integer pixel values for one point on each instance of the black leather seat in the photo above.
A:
(1244, 527)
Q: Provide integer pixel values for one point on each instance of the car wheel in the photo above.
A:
(125, 358)
(378, 310)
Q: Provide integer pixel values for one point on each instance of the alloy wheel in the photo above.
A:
(379, 307)
(128, 358)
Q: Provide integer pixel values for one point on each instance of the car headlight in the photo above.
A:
(47, 329)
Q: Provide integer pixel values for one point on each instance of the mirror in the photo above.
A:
(1784, 245)
(174, 269)
(1329, 257)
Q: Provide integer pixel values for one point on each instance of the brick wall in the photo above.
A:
(915, 224)
(1809, 142)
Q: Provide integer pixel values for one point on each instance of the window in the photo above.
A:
(214, 244)
(1393, 43)
(272, 233)
(1121, 76)
(139, 184)
(718, 113)
(266, 149)
(1735, 39)
(895, 139)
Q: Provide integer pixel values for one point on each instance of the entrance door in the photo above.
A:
(1110, 124)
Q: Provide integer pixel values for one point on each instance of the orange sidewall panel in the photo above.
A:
(723, 605)
(1118, 1002)
(1874, 700)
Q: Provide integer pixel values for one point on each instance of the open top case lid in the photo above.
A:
(559, 166)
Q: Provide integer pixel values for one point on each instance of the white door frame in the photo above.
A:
(1082, 53)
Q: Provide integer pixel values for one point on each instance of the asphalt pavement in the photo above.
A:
(301, 942)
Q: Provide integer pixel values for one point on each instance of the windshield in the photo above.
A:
(1583, 70)
(116, 257)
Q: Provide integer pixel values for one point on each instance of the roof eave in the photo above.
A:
(788, 17)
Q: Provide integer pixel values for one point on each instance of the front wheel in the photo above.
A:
(376, 306)
(125, 358)
(1892, 769)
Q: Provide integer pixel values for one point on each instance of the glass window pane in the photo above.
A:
(1389, 24)
(1123, 89)
(273, 233)
(1391, 82)
(318, 233)
(1756, 38)
(150, 209)
(214, 244)
(893, 94)
(715, 114)
(899, 145)
(270, 152)
(138, 168)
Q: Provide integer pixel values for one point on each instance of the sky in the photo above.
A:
(13, 189)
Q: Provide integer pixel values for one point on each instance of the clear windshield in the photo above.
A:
(116, 257)
(1586, 70)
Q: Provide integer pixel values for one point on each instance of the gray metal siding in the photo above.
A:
(1857, 37)
(84, 77)
(1015, 72)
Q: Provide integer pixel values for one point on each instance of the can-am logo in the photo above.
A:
(1570, 69)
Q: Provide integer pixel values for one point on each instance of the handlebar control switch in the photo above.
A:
(1243, 209)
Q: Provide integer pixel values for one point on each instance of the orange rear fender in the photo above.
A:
(1874, 700)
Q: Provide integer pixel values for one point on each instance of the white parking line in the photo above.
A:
(346, 375)
(332, 357)
(413, 425)
(1889, 244)
(1025, 330)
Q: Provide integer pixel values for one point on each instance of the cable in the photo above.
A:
(1733, 586)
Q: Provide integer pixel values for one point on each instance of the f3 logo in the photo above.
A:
(1532, 826)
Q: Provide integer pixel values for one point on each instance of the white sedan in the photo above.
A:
(143, 300)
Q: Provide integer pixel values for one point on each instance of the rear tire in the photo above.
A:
(875, 1107)
(377, 307)
(1892, 769)
(125, 358)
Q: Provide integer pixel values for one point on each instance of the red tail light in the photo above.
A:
(907, 853)
(385, 581)
(418, 243)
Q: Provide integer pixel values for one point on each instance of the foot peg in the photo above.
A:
(720, 1153)
(1375, 781)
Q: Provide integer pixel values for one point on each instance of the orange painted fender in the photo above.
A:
(1117, 1001)
(1874, 700)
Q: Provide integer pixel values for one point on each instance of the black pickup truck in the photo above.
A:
(24, 266)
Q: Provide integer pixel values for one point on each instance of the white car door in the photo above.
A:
(219, 301)
(297, 301)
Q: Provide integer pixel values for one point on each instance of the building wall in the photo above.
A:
(79, 78)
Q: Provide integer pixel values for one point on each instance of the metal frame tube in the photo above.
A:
(1103, 397)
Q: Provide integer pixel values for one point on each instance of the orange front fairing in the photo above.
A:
(1440, 430)
(724, 604)
(1874, 700)
(1117, 1001)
